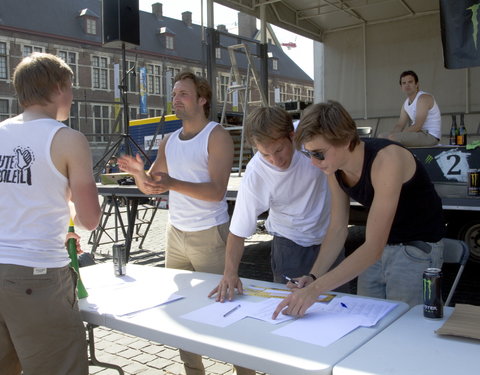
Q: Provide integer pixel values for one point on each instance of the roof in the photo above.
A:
(314, 18)
(63, 18)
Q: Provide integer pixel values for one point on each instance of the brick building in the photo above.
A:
(72, 29)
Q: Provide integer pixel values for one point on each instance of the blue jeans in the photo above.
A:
(398, 274)
(290, 259)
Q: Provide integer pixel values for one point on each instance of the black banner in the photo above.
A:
(460, 21)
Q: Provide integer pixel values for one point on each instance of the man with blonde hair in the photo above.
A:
(44, 167)
(281, 180)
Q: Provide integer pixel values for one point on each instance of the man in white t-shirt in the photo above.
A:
(420, 122)
(283, 181)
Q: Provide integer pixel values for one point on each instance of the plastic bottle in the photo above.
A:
(72, 253)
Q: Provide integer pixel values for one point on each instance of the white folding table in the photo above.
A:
(249, 342)
(411, 346)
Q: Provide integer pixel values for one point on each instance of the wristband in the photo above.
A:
(313, 276)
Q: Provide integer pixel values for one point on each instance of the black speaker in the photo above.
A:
(121, 23)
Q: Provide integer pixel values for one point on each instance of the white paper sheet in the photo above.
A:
(264, 310)
(320, 328)
(370, 310)
(324, 324)
(213, 313)
(128, 298)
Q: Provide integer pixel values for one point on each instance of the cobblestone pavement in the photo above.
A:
(139, 356)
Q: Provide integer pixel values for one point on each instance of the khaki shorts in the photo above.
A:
(41, 330)
(202, 251)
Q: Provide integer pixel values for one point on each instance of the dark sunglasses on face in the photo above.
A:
(319, 155)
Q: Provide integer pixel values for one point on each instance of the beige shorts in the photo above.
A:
(202, 251)
(415, 139)
(41, 330)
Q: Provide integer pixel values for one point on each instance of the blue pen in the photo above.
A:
(343, 305)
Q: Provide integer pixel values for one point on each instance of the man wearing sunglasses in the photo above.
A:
(404, 225)
(281, 180)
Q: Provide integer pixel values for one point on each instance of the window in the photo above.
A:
(101, 119)
(173, 72)
(132, 76)
(283, 93)
(4, 109)
(218, 53)
(297, 93)
(309, 95)
(169, 42)
(91, 26)
(72, 121)
(99, 72)
(71, 59)
(275, 64)
(133, 113)
(28, 50)
(3, 61)
(154, 112)
(222, 87)
(154, 79)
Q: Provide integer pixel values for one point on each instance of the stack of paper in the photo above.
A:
(322, 325)
(127, 298)
(325, 324)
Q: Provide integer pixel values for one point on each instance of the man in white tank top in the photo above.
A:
(194, 165)
(420, 122)
(44, 167)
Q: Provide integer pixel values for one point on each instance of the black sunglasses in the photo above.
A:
(319, 155)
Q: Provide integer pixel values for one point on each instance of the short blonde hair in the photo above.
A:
(267, 124)
(37, 76)
(329, 120)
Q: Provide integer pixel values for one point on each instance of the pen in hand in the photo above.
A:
(291, 280)
(231, 311)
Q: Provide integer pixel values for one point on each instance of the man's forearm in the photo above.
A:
(206, 191)
(398, 128)
(234, 253)
(331, 247)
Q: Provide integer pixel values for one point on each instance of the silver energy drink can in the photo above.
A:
(432, 293)
(119, 259)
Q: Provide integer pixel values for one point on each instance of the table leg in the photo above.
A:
(132, 208)
(93, 361)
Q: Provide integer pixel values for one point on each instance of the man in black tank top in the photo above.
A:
(404, 225)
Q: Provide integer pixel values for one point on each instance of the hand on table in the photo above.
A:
(297, 302)
(226, 288)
